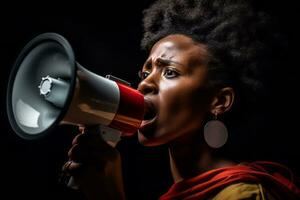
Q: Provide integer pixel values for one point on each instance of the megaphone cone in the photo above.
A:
(48, 87)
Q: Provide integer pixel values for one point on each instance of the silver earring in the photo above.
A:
(215, 133)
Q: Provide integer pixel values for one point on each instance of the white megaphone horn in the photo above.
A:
(48, 87)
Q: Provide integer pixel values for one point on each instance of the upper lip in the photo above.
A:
(150, 108)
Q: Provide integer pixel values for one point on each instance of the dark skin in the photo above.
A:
(95, 166)
(175, 82)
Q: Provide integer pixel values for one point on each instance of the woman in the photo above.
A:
(205, 66)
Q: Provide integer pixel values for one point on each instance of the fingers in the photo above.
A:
(71, 166)
(69, 169)
(90, 140)
(90, 148)
(89, 154)
(89, 151)
(94, 133)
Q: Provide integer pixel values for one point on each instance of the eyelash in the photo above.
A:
(173, 71)
(144, 74)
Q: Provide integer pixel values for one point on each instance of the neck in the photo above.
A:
(190, 156)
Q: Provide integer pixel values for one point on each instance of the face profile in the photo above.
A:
(174, 80)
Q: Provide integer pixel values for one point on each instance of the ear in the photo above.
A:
(222, 101)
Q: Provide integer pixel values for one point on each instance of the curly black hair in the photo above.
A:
(243, 42)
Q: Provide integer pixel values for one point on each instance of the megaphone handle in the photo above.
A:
(65, 178)
(111, 136)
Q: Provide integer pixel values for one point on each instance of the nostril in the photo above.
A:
(147, 90)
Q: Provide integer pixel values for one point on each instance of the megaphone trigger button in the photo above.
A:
(81, 129)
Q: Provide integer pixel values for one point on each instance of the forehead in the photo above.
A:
(179, 46)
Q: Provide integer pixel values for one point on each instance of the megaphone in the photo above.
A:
(48, 87)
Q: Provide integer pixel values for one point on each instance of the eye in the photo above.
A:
(170, 73)
(143, 74)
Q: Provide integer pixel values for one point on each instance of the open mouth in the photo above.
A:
(148, 124)
(150, 110)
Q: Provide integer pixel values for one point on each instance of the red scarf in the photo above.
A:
(269, 174)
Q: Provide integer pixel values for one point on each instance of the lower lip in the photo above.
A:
(147, 124)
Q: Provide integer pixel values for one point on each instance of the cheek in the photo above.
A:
(178, 120)
(168, 85)
(182, 105)
(170, 98)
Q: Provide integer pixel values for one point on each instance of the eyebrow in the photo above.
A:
(167, 61)
(148, 64)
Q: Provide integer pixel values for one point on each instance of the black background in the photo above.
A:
(105, 39)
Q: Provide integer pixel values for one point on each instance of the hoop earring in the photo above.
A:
(215, 133)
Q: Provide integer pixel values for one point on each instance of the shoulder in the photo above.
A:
(243, 191)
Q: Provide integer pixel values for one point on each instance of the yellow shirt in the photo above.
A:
(243, 191)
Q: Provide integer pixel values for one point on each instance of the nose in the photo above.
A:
(148, 86)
